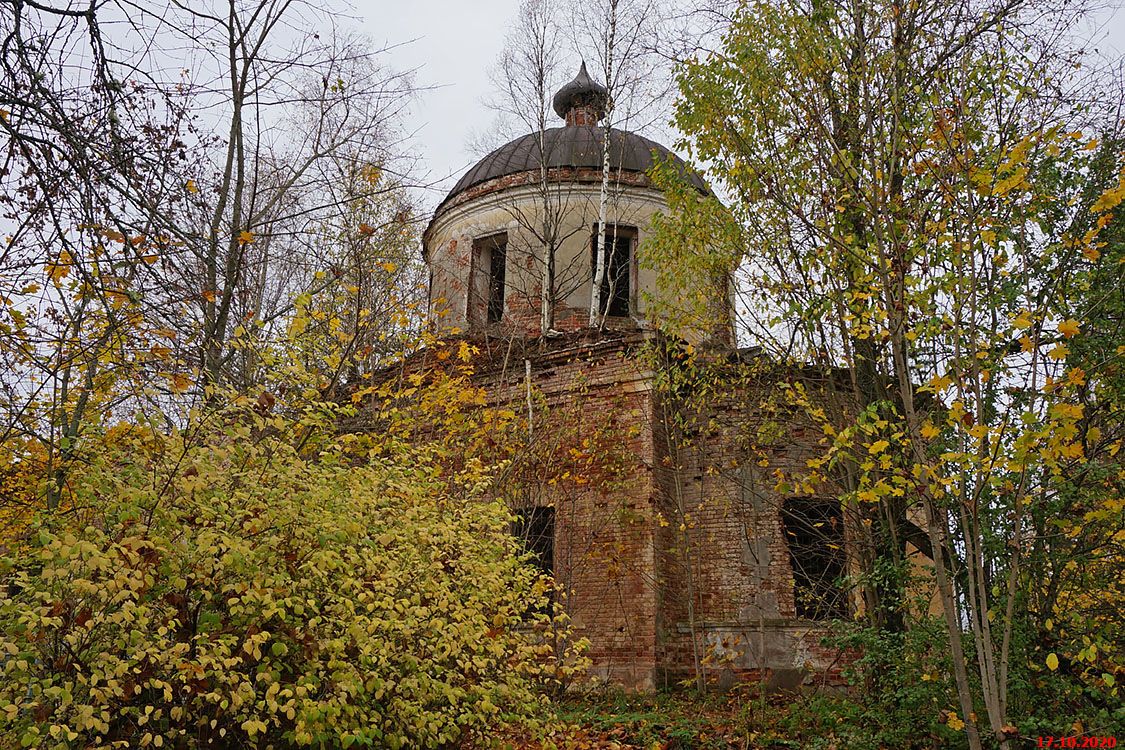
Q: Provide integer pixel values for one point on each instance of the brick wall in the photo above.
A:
(668, 540)
(724, 550)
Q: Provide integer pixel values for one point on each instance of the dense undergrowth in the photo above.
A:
(250, 583)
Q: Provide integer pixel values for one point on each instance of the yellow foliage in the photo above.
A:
(59, 268)
(1069, 328)
(247, 589)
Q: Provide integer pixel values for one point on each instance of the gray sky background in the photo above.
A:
(452, 44)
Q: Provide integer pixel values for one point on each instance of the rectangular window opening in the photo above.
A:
(616, 284)
(535, 528)
(814, 533)
(487, 282)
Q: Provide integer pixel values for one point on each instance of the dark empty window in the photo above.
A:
(814, 531)
(535, 528)
(619, 258)
(486, 298)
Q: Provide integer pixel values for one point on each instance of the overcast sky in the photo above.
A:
(453, 43)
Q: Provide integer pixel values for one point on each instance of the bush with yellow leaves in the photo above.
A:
(244, 590)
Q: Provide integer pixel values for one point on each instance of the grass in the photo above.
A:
(664, 721)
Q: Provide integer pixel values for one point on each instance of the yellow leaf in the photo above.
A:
(877, 447)
(245, 237)
(372, 173)
(180, 383)
(58, 270)
(1015, 180)
(209, 295)
(1109, 199)
(1091, 253)
(388, 266)
(940, 383)
(191, 186)
(1023, 320)
(955, 722)
(1069, 328)
(929, 432)
(1059, 352)
(1025, 344)
(1052, 662)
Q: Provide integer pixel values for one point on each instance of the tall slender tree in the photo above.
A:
(901, 177)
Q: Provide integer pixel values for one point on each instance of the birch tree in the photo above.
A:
(527, 74)
(619, 33)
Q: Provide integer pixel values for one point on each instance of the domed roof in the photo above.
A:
(573, 146)
(582, 91)
(581, 103)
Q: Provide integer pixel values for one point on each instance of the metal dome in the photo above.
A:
(576, 147)
(582, 91)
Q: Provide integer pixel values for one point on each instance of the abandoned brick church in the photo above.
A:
(690, 559)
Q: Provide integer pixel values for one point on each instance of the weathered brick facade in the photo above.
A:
(670, 550)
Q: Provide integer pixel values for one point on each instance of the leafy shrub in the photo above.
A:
(236, 591)
(900, 694)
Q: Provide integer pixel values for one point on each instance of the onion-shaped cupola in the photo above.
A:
(583, 101)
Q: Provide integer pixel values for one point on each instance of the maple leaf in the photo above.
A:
(1059, 352)
(1069, 328)
(179, 383)
(245, 237)
(58, 270)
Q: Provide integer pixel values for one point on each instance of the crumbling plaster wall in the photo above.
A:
(512, 206)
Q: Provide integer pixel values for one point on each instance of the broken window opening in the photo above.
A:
(487, 281)
(814, 533)
(535, 528)
(615, 290)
